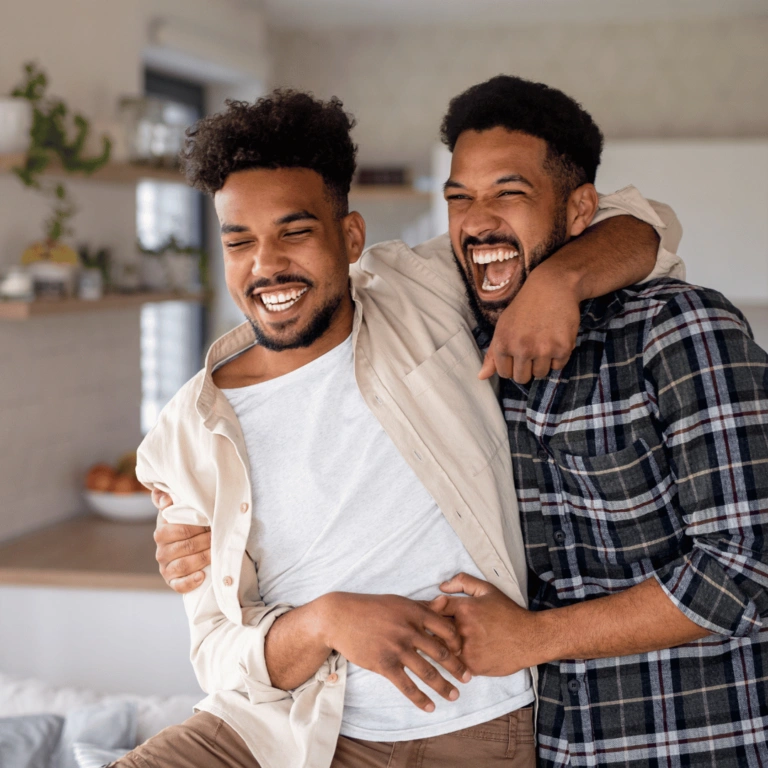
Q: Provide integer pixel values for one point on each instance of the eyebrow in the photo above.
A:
(512, 177)
(296, 216)
(289, 218)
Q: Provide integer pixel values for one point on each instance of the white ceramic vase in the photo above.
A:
(15, 123)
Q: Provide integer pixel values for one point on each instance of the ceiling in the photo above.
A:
(355, 13)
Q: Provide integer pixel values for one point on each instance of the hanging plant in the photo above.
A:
(50, 141)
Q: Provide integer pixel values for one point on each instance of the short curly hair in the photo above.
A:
(284, 129)
(574, 142)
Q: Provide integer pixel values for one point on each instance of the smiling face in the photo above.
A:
(504, 212)
(287, 255)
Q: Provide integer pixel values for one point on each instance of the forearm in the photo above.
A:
(638, 620)
(608, 256)
(294, 649)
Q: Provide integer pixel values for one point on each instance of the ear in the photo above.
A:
(353, 230)
(582, 206)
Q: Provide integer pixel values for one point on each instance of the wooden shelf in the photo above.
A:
(24, 310)
(85, 552)
(116, 173)
(130, 173)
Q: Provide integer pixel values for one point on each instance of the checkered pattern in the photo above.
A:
(648, 456)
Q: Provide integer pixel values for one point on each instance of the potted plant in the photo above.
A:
(174, 267)
(50, 141)
(95, 272)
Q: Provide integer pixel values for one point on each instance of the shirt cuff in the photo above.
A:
(700, 588)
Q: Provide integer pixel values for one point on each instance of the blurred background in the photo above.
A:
(111, 284)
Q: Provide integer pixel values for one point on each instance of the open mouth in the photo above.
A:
(495, 269)
(282, 299)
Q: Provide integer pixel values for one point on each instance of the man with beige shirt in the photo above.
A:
(296, 635)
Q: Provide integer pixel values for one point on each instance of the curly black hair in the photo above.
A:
(285, 129)
(574, 142)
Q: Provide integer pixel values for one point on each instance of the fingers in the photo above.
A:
(444, 629)
(540, 367)
(396, 675)
(451, 662)
(469, 585)
(179, 567)
(160, 499)
(522, 370)
(558, 363)
(429, 675)
(171, 533)
(187, 583)
(489, 366)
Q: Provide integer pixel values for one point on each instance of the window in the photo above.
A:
(172, 333)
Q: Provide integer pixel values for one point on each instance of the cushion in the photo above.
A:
(91, 756)
(108, 725)
(29, 741)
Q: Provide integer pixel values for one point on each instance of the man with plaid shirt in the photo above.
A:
(641, 470)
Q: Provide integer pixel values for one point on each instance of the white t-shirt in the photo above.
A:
(337, 508)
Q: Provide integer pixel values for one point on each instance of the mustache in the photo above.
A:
(262, 282)
(470, 241)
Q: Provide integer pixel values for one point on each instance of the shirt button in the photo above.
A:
(332, 678)
(244, 506)
(227, 581)
(573, 686)
(559, 537)
(543, 455)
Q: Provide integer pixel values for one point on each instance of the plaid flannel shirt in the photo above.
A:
(647, 456)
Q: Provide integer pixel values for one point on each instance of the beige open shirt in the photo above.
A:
(416, 364)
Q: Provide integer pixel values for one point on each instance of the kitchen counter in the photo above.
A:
(87, 552)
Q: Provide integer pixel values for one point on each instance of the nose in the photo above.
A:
(268, 261)
(480, 219)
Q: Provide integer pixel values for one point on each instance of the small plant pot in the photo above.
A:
(53, 280)
(91, 284)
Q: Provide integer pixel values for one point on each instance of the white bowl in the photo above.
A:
(128, 507)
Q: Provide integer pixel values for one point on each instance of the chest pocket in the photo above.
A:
(455, 405)
(623, 505)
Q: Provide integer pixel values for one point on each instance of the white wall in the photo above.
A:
(719, 190)
(676, 78)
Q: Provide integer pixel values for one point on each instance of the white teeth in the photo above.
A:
(487, 286)
(278, 302)
(486, 257)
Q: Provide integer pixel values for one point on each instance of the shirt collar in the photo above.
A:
(235, 343)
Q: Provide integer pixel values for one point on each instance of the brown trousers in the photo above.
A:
(205, 741)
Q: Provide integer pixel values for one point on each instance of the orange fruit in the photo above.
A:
(123, 484)
(100, 477)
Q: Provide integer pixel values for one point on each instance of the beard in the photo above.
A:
(487, 313)
(281, 338)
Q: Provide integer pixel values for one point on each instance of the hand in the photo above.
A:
(182, 550)
(382, 633)
(537, 331)
(498, 636)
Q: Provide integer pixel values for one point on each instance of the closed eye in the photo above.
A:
(295, 232)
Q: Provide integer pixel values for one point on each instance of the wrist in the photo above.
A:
(564, 276)
(323, 619)
(549, 639)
